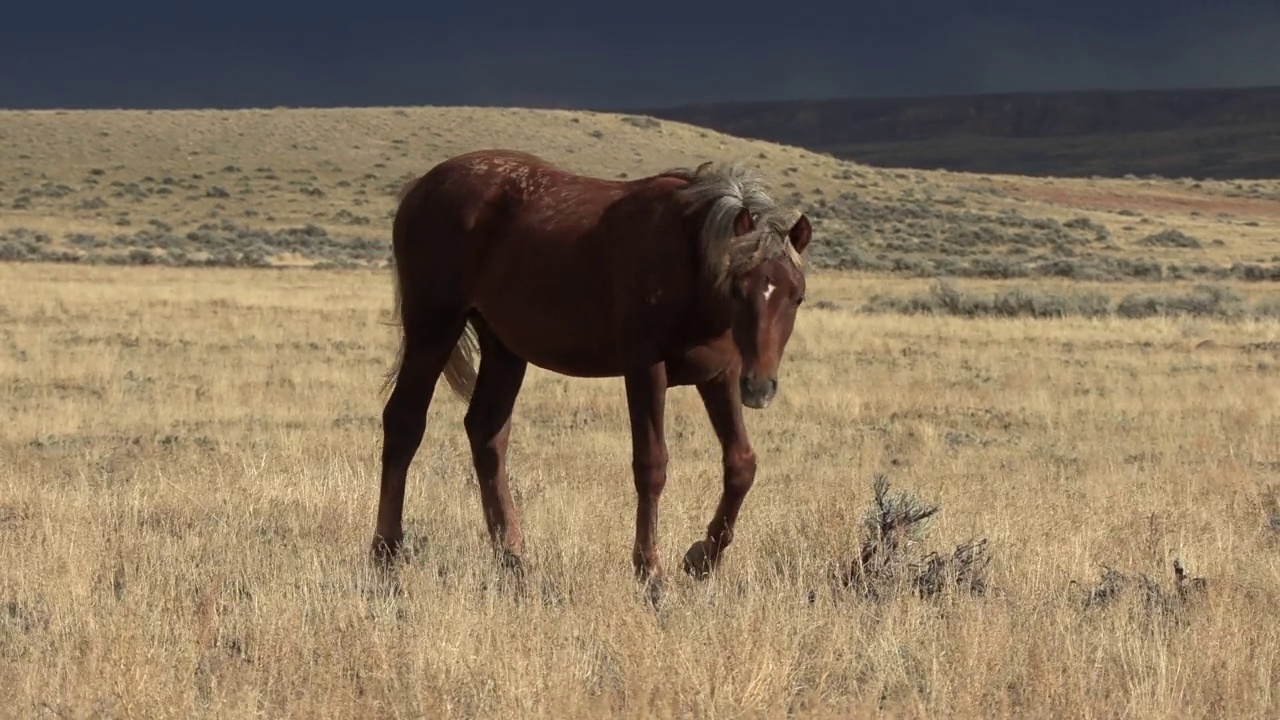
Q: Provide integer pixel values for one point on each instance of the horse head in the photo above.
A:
(766, 285)
(753, 255)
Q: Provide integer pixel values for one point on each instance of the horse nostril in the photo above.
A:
(758, 392)
(765, 387)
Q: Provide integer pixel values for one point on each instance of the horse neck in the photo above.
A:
(709, 314)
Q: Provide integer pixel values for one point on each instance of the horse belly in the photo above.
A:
(571, 338)
(559, 347)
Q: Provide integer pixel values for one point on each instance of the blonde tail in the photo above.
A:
(460, 371)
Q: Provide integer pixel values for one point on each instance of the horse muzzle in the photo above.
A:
(757, 393)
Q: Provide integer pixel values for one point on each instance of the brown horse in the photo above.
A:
(687, 277)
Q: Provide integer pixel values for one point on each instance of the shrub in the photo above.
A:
(1171, 238)
(887, 563)
(1203, 301)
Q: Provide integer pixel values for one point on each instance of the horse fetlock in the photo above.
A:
(646, 565)
(511, 560)
(385, 547)
(510, 541)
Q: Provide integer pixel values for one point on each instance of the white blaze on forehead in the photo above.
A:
(768, 290)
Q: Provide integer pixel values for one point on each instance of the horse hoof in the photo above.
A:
(653, 591)
(384, 550)
(511, 562)
(698, 560)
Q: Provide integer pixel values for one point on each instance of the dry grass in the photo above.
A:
(188, 476)
(289, 167)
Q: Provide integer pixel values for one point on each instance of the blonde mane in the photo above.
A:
(723, 191)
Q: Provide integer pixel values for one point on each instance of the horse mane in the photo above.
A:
(723, 191)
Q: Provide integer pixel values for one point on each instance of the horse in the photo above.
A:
(685, 277)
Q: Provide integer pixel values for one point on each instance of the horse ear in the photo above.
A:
(743, 224)
(801, 233)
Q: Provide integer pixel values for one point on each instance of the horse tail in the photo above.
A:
(397, 319)
(460, 370)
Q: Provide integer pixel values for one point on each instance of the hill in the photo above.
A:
(310, 186)
(1199, 133)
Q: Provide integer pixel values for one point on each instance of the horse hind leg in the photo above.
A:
(427, 348)
(488, 426)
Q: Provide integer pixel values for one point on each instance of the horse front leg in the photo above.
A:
(720, 397)
(646, 398)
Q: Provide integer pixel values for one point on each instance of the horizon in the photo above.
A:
(676, 106)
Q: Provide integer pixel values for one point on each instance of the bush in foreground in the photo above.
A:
(887, 563)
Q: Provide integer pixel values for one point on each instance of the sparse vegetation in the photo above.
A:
(258, 185)
(944, 297)
(1153, 596)
(644, 122)
(188, 462)
(224, 244)
(924, 238)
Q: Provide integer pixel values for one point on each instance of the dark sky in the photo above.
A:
(234, 53)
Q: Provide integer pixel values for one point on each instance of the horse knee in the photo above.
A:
(739, 468)
(650, 469)
(653, 459)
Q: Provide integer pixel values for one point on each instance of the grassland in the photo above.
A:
(316, 187)
(188, 454)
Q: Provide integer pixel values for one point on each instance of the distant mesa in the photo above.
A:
(1215, 133)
